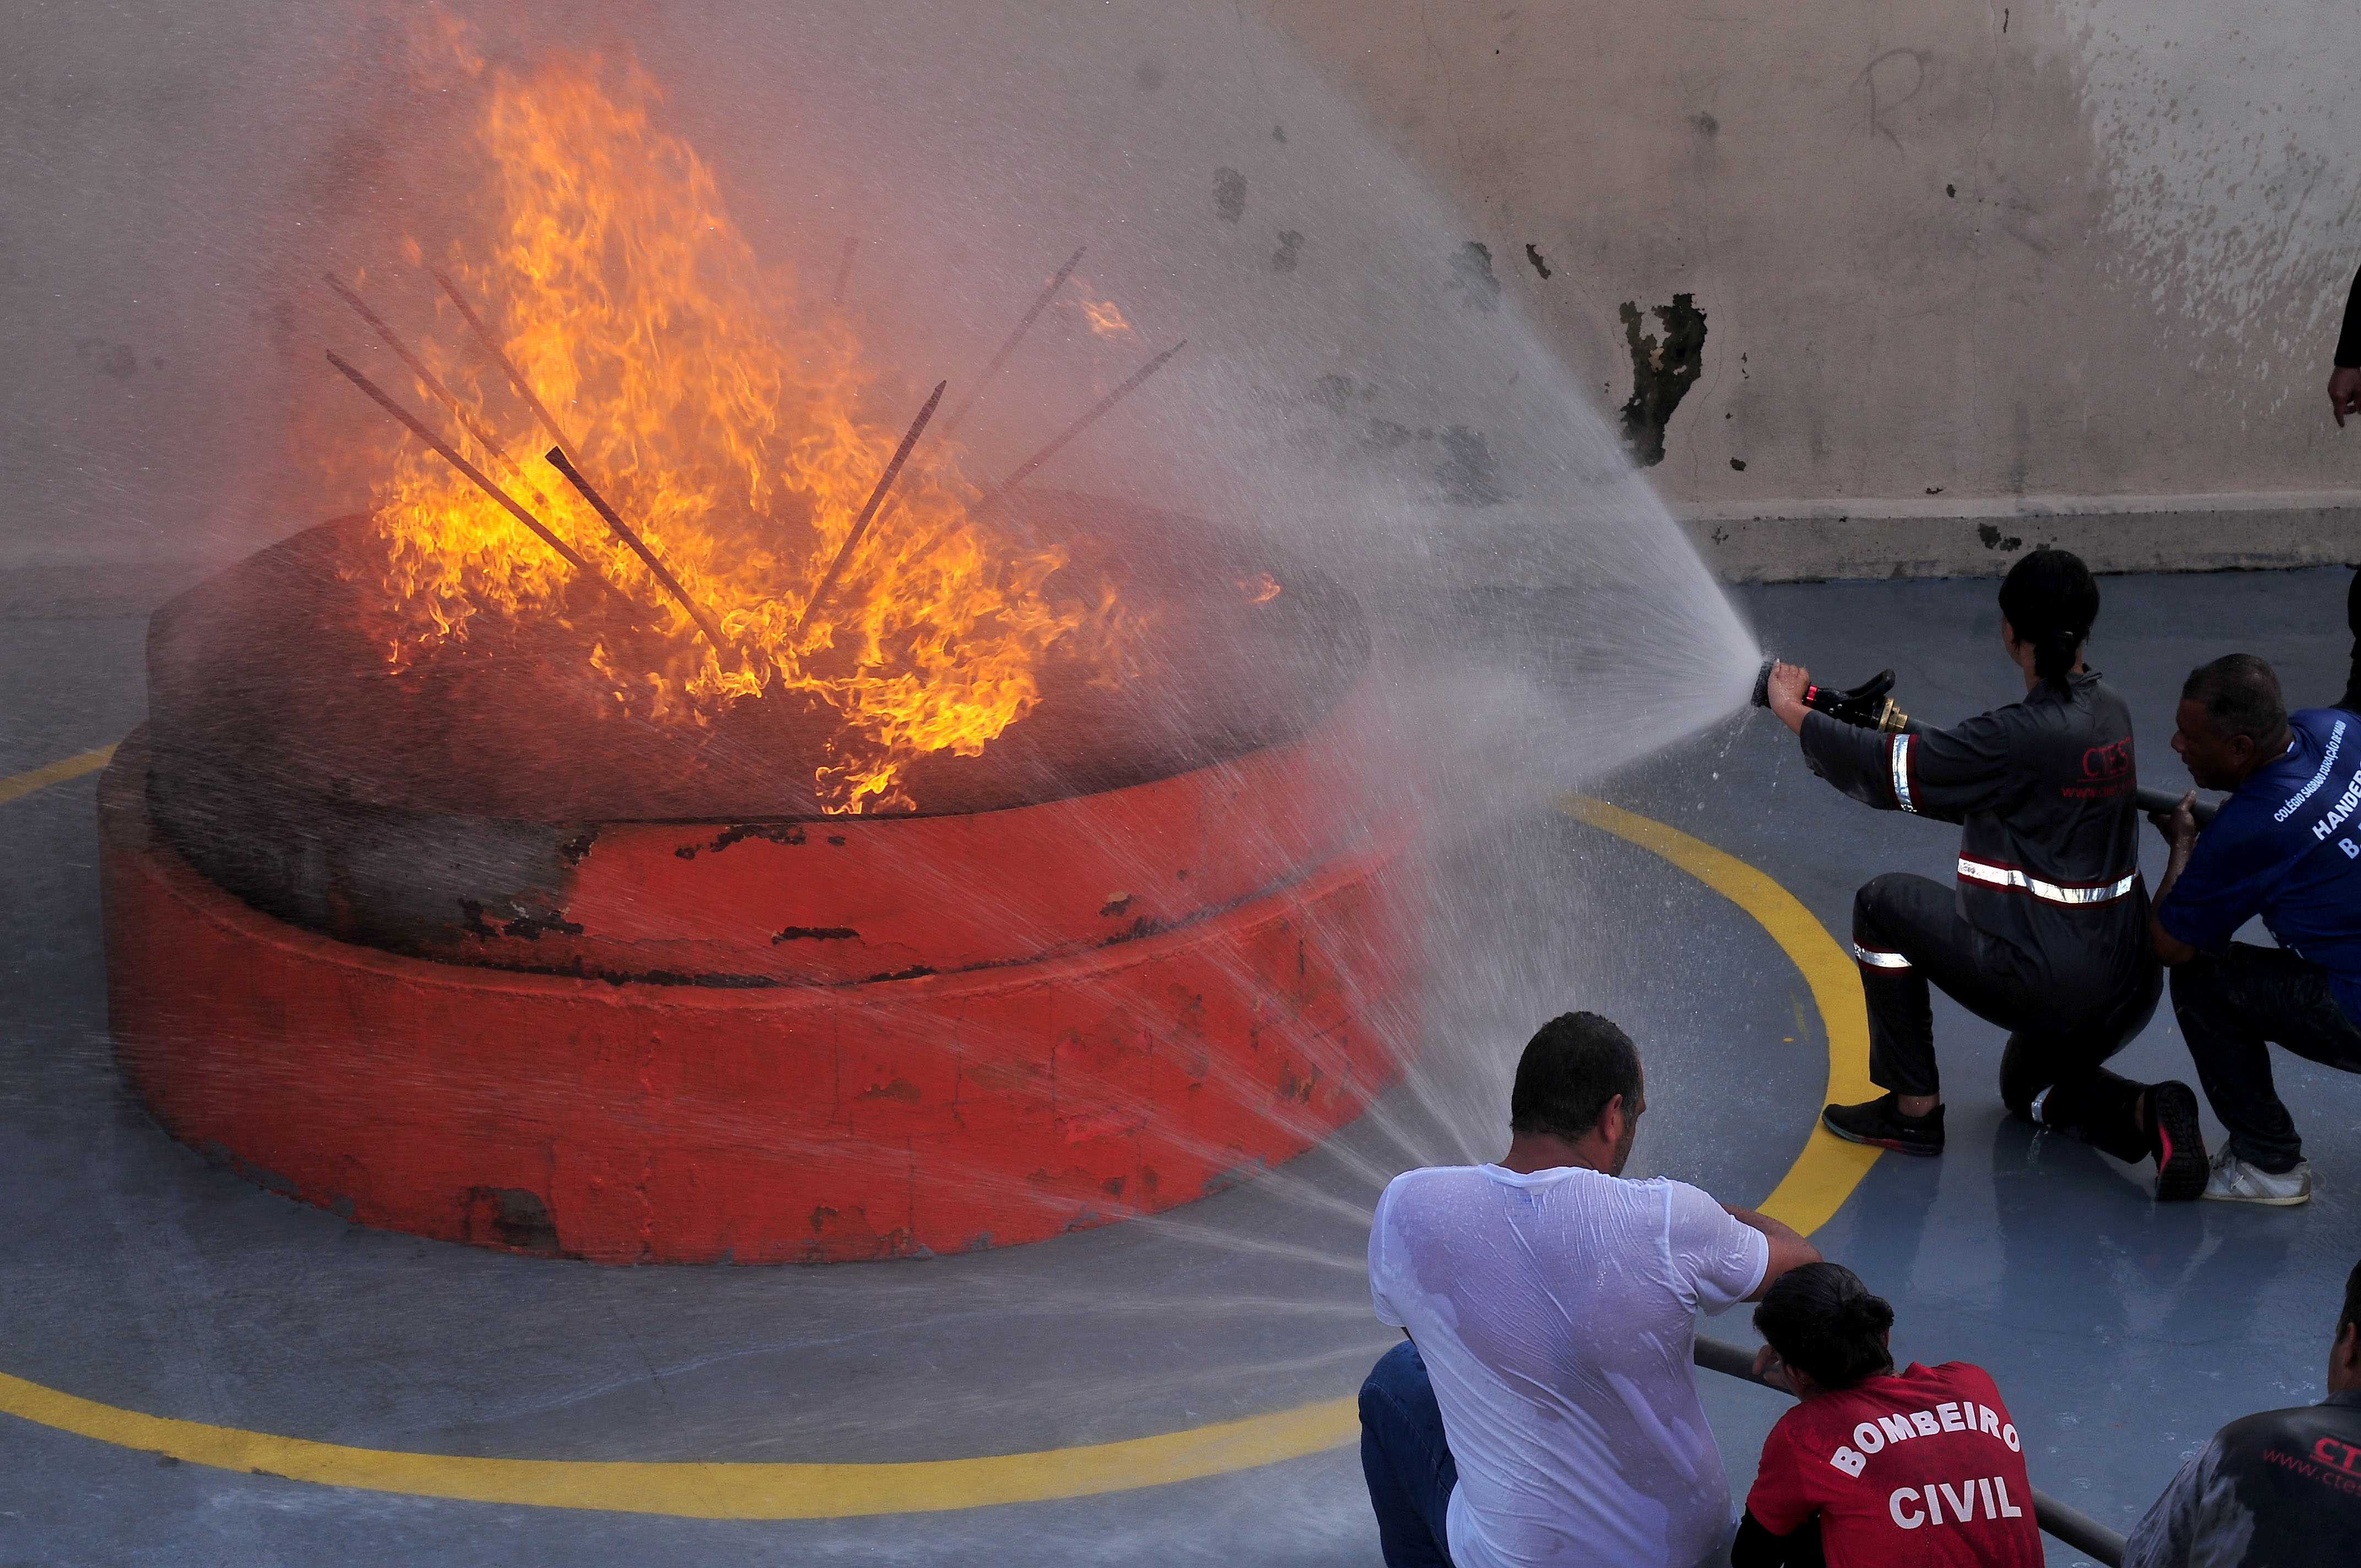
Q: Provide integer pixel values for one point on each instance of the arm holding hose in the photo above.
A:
(1787, 691)
(1788, 1249)
(1873, 752)
(2178, 823)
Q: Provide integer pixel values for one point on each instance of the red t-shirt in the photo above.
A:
(1918, 1468)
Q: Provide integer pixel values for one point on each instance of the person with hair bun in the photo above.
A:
(2043, 931)
(1877, 1467)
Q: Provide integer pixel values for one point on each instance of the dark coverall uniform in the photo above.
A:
(2044, 932)
(2281, 1487)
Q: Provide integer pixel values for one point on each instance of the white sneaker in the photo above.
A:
(2232, 1180)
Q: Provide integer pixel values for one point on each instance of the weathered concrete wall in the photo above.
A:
(2068, 270)
(2062, 270)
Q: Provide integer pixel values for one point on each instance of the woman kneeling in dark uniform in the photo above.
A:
(2044, 932)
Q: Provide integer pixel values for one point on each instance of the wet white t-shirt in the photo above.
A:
(1556, 1313)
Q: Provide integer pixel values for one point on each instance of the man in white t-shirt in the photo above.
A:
(1545, 1412)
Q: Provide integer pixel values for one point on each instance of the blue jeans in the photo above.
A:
(1406, 1460)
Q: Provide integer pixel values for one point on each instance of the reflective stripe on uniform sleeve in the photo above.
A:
(1877, 957)
(1898, 760)
(2014, 880)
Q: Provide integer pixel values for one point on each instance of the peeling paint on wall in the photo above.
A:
(1229, 195)
(1662, 372)
(1468, 473)
(1471, 273)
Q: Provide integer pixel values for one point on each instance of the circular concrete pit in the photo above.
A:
(454, 949)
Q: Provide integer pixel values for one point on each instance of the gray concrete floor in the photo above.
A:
(135, 1274)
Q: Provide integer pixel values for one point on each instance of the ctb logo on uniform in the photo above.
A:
(2338, 1455)
(2111, 762)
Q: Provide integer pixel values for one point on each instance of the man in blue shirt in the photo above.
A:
(2287, 846)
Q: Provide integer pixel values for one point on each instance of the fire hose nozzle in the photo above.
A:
(1866, 705)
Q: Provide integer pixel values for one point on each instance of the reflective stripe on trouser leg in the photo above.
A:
(1893, 990)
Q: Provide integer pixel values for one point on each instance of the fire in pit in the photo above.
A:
(738, 832)
(694, 477)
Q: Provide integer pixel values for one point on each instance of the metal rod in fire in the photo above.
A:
(696, 612)
(507, 367)
(475, 476)
(433, 382)
(999, 497)
(1040, 303)
(876, 499)
(1096, 411)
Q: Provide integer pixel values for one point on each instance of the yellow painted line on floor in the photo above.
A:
(1828, 1171)
(18, 786)
(1820, 1180)
(714, 1491)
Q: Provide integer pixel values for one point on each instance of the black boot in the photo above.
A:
(2176, 1142)
(1881, 1123)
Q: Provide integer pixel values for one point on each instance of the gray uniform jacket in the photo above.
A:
(2042, 790)
(2277, 1490)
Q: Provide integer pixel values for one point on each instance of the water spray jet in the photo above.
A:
(1008, 344)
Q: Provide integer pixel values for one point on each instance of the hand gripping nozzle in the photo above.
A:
(1867, 705)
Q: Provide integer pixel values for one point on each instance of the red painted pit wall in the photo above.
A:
(629, 1122)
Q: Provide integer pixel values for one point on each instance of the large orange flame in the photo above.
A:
(735, 427)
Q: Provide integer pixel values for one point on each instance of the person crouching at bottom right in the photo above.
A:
(2281, 1488)
(1877, 1467)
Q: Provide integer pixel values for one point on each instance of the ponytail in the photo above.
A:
(2050, 601)
(1822, 1320)
(2053, 656)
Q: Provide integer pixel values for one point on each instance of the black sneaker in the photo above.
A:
(2177, 1142)
(1881, 1123)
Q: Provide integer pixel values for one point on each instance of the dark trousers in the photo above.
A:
(2232, 1008)
(1907, 933)
(1408, 1464)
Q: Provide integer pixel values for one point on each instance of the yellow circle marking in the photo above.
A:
(1820, 1180)
(1828, 1171)
(18, 786)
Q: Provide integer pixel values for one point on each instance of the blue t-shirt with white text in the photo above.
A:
(2287, 846)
